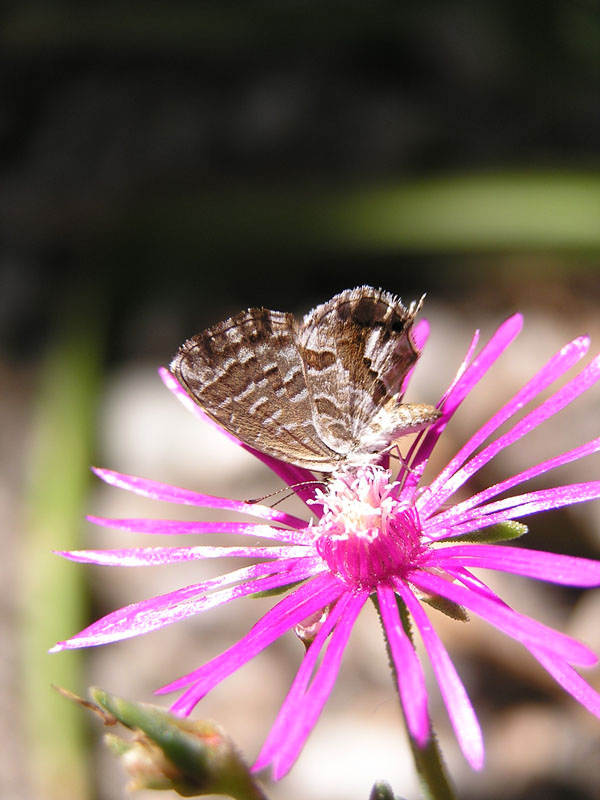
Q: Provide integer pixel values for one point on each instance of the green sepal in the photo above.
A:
(447, 607)
(383, 791)
(146, 772)
(276, 591)
(502, 532)
(190, 757)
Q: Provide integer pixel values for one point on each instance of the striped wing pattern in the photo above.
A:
(317, 394)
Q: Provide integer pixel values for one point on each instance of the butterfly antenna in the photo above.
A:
(395, 453)
(285, 489)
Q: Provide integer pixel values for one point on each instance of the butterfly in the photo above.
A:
(324, 393)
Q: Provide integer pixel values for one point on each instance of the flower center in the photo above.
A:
(366, 534)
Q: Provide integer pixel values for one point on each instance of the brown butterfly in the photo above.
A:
(322, 393)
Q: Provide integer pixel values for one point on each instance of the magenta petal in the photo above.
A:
(173, 494)
(569, 679)
(175, 527)
(425, 441)
(471, 376)
(153, 556)
(461, 511)
(562, 361)
(562, 672)
(420, 334)
(567, 570)
(467, 378)
(305, 600)
(411, 679)
(544, 500)
(519, 627)
(295, 702)
(565, 395)
(319, 690)
(149, 615)
(512, 508)
(462, 716)
(477, 585)
(289, 612)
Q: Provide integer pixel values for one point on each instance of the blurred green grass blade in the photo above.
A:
(478, 212)
(464, 213)
(54, 601)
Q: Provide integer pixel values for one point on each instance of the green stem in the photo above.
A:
(53, 592)
(433, 777)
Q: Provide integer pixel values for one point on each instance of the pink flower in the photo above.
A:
(391, 540)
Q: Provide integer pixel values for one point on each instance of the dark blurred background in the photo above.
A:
(174, 160)
(163, 165)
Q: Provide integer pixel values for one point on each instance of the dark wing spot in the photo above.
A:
(318, 359)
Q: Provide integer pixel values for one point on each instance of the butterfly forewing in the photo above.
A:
(357, 350)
